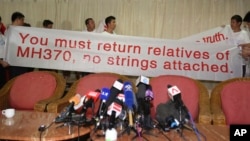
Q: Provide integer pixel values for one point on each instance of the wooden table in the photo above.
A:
(211, 132)
(24, 126)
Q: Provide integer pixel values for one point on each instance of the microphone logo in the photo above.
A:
(173, 91)
(127, 88)
(104, 93)
(114, 107)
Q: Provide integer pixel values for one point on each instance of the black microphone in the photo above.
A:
(175, 95)
(114, 91)
(142, 82)
(67, 111)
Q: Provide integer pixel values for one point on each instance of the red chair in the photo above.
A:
(230, 102)
(32, 91)
(194, 95)
(85, 84)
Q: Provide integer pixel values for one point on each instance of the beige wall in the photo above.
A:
(167, 19)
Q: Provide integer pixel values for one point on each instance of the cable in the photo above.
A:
(197, 133)
(42, 128)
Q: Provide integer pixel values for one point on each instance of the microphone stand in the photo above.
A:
(145, 117)
(137, 129)
(67, 122)
(180, 128)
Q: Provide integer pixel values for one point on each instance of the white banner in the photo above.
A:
(128, 55)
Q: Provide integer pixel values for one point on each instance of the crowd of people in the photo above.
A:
(240, 38)
(8, 72)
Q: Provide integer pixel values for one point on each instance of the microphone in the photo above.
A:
(116, 106)
(142, 82)
(90, 99)
(172, 122)
(66, 113)
(114, 91)
(105, 92)
(148, 97)
(175, 95)
(129, 100)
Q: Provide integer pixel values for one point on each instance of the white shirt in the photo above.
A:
(89, 31)
(237, 38)
(107, 33)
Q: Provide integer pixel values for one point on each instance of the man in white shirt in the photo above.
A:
(238, 36)
(111, 25)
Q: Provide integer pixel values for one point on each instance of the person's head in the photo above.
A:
(247, 19)
(17, 19)
(110, 23)
(90, 24)
(236, 22)
(0, 19)
(26, 24)
(48, 24)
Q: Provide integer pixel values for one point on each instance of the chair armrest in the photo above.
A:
(4, 94)
(58, 105)
(218, 117)
(204, 105)
(58, 93)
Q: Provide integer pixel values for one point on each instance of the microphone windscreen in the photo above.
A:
(93, 95)
(76, 99)
(128, 92)
(105, 94)
(80, 104)
(149, 93)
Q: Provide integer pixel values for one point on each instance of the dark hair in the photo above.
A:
(26, 24)
(87, 20)
(0, 18)
(16, 15)
(238, 18)
(47, 22)
(109, 19)
(247, 17)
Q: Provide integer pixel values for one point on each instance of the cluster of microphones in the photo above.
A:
(120, 107)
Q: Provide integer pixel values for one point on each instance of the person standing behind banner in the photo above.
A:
(111, 25)
(90, 25)
(246, 47)
(238, 36)
(17, 19)
(3, 64)
(2, 26)
(47, 23)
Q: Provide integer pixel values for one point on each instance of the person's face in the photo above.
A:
(91, 25)
(112, 24)
(50, 26)
(248, 24)
(20, 22)
(234, 24)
